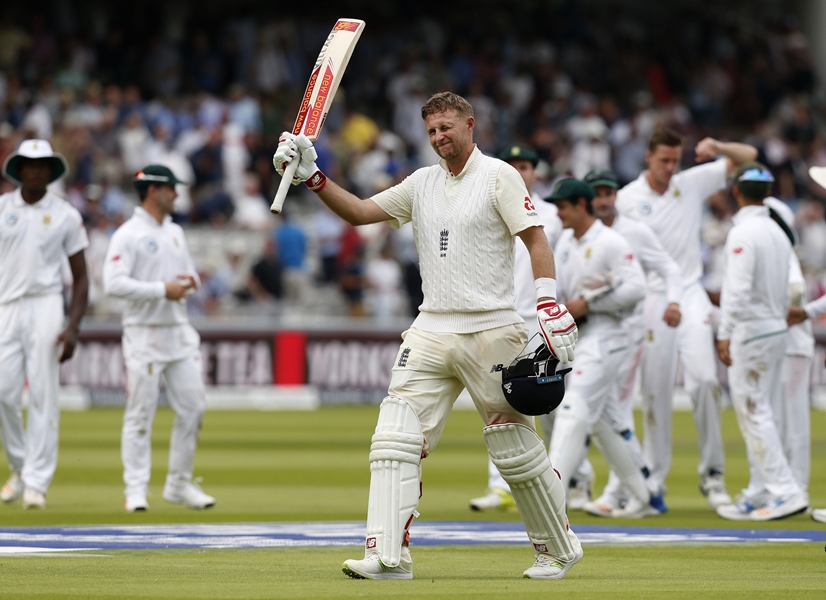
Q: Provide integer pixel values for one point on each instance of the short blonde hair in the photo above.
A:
(445, 101)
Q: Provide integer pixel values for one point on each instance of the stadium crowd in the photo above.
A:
(207, 92)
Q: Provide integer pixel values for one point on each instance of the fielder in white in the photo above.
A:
(671, 203)
(148, 265)
(38, 232)
(751, 341)
(655, 263)
(465, 212)
(498, 495)
(602, 281)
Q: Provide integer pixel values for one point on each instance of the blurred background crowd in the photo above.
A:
(206, 88)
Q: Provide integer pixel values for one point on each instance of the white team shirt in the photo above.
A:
(598, 253)
(463, 227)
(142, 255)
(35, 240)
(676, 217)
(755, 293)
(801, 341)
(523, 278)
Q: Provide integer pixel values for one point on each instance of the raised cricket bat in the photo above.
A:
(321, 89)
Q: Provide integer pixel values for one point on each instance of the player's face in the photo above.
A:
(663, 163)
(526, 170)
(35, 174)
(568, 213)
(450, 133)
(166, 195)
(605, 198)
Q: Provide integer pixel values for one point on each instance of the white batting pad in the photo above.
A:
(395, 481)
(625, 458)
(522, 460)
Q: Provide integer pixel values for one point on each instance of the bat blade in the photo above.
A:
(321, 89)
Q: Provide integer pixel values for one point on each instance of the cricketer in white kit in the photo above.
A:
(655, 262)
(38, 232)
(602, 282)
(148, 264)
(498, 496)
(671, 203)
(465, 212)
(751, 341)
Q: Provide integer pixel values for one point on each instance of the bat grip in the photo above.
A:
(286, 181)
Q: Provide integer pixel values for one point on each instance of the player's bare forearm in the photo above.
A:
(542, 257)
(736, 152)
(350, 207)
(80, 300)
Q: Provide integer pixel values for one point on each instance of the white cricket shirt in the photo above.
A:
(801, 341)
(598, 253)
(675, 217)
(35, 240)
(523, 277)
(463, 227)
(755, 293)
(143, 254)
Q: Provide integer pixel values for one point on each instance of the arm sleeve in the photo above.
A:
(513, 200)
(632, 287)
(737, 283)
(653, 257)
(76, 238)
(816, 308)
(706, 178)
(397, 202)
(117, 273)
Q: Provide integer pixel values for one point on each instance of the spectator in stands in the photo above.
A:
(291, 243)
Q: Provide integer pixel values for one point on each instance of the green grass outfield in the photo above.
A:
(312, 466)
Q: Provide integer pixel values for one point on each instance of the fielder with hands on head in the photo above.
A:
(672, 204)
(148, 265)
(38, 232)
(751, 341)
(465, 211)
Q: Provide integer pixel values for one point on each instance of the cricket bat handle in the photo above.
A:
(284, 186)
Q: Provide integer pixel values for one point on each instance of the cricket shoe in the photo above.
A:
(738, 511)
(713, 487)
(371, 567)
(13, 488)
(33, 498)
(579, 494)
(637, 509)
(136, 503)
(189, 494)
(548, 567)
(496, 499)
(780, 508)
(819, 514)
(602, 506)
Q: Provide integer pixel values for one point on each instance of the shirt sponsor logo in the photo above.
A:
(151, 245)
(529, 205)
(738, 250)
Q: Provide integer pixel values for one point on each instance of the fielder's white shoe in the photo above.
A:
(136, 503)
(189, 494)
(579, 494)
(548, 567)
(738, 511)
(13, 488)
(33, 498)
(371, 567)
(495, 499)
(637, 509)
(780, 508)
(713, 487)
(602, 506)
(819, 514)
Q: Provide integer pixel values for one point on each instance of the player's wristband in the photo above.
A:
(316, 182)
(545, 288)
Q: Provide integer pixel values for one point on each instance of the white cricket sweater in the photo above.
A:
(463, 226)
(144, 254)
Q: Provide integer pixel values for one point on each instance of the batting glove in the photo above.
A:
(291, 146)
(558, 328)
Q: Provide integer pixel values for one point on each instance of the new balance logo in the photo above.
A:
(443, 243)
(497, 368)
(403, 357)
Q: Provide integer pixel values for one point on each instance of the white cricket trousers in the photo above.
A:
(755, 379)
(692, 344)
(149, 353)
(432, 368)
(29, 328)
(792, 415)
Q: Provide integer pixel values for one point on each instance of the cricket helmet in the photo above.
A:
(531, 383)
